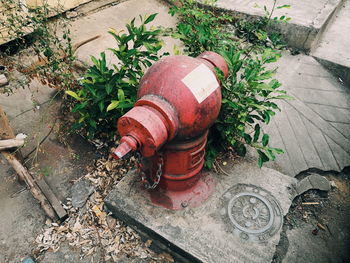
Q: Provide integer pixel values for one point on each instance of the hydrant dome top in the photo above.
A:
(190, 86)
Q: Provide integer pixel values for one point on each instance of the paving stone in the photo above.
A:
(116, 17)
(206, 233)
(313, 128)
(81, 191)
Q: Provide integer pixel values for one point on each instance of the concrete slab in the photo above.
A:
(21, 217)
(312, 128)
(308, 17)
(116, 17)
(32, 111)
(333, 49)
(221, 229)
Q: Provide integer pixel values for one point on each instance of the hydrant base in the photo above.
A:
(192, 197)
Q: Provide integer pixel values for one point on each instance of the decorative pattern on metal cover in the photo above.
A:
(252, 212)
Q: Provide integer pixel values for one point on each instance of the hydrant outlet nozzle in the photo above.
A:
(127, 144)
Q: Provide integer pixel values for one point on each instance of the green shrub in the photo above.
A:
(250, 90)
(248, 94)
(34, 28)
(107, 93)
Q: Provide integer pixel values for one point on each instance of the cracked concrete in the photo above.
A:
(205, 233)
(308, 18)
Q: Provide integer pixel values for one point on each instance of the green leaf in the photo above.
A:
(73, 94)
(247, 138)
(266, 117)
(150, 18)
(121, 95)
(256, 133)
(283, 6)
(125, 105)
(95, 61)
(265, 139)
(240, 149)
(270, 155)
(114, 104)
(101, 105)
(277, 150)
(260, 162)
(92, 123)
(109, 88)
(262, 158)
(283, 97)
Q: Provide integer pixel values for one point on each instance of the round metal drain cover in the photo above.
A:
(254, 213)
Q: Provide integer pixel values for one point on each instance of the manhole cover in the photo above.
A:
(253, 213)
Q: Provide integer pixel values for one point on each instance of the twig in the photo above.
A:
(10, 143)
(42, 141)
(35, 190)
(310, 203)
(19, 114)
(321, 226)
(222, 170)
(19, 191)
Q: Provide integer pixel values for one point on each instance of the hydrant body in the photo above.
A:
(179, 99)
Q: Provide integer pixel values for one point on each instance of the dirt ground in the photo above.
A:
(317, 229)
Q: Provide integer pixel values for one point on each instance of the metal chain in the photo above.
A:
(147, 181)
(159, 172)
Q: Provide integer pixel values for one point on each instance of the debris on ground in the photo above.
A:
(92, 230)
(321, 220)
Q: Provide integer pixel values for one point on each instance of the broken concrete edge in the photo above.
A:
(282, 246)
(313, 181)
(295, 35)
(298, 36)
(159, 241)
(93, 6)
(328, 21)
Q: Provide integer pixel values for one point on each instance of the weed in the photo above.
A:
(48, 38)
(250, 91)
(107, 93)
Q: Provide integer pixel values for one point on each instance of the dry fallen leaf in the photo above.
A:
(148, 243)
(90, 229)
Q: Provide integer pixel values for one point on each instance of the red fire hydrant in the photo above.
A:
(179, 99)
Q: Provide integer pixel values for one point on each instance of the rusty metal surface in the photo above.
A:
(179, 99)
